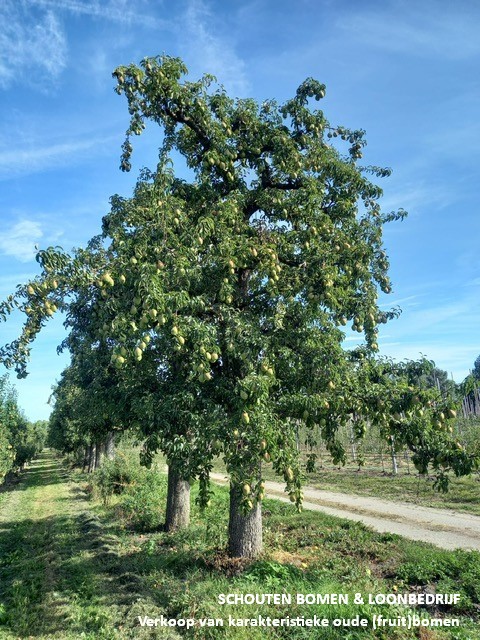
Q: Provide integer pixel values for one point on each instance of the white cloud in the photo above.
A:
(209, 49)
(31, 48)
(442, 30)
(19, 241)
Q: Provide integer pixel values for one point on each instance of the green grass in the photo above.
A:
(72, 568)
(54, 581)
(304, 553)
(307, 553)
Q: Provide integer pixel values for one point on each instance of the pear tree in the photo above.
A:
(280, 244)
(20, 440)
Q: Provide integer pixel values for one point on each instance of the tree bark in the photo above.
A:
(91, 458)
(394, 456)
(86, 457)
(98, 455)
(245, 538)
(110, 446)
(178, 501)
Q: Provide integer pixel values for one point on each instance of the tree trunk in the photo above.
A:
(86, 458)
(98, 455)
(110, 445)
(91, 458)
(394, 456)
(178, 501)
(245, 538)
(353, 444)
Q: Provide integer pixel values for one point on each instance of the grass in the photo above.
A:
(306, 553)
(73, 568)
(54, 581)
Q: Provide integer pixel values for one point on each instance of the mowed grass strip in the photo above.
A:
(54, 573)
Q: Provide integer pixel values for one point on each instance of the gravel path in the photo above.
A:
(443, 527)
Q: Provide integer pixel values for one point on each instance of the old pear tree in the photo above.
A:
(251, 264)
(224, 285)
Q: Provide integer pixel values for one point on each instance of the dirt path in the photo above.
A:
(442, 527)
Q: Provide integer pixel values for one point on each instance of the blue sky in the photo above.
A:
(407, 72)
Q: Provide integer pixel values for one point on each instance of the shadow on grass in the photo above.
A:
(63, 576)
(58, 573)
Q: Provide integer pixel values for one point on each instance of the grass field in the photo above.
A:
(72, 567)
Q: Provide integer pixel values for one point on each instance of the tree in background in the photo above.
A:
(426, 374)
(20, 440)
(476, 369)
(470, 390)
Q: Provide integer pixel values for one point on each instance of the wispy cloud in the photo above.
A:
(32, 48)
(210, 49)
(413, 196)
(442, 30)
(120, 11)
(444, 330)
(458, 142)
(20, 239)
(401, 301)
(26, 160)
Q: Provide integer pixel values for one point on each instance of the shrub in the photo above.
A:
(115, 476)
(453, 571)
(143, 491)
(143, 504)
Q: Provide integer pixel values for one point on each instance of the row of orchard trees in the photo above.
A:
(208, 316)
(79, 422)
(20, 440)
